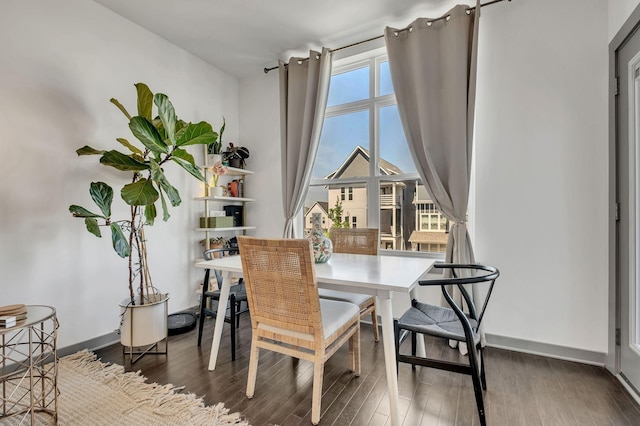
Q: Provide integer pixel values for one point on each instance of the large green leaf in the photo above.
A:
(78, 211)
(157, 174)
(197, 134)
(120, 107)
(146, 133)
(122, 162)
(132, 148)
(193, 170)
(167, 115)
(92, 226)
(102, 195)
(145, 100)
(150, 213)
(119, 241)
(183, 155)
(140, 193)
(165, 210)
(87, 150)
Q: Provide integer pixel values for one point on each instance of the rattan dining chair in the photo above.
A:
(355, 241)
(287, 316)
(451, 323)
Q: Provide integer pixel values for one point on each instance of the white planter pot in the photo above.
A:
(149, 324)
(213, 159)
(216, 191)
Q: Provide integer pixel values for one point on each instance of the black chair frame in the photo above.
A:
(477, 373)
(236, 297)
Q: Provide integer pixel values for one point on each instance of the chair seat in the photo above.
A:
(335, 314)
(436, 321)
(358, 299)
(238, 290)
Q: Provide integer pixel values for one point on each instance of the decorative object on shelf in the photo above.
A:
(214, 242)
(322, 245)
(214, 148)
(163, 140)
(236, 155)
(218, 170)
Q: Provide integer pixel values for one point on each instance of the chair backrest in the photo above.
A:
(281, 284)
(217, 253)
(355, 240)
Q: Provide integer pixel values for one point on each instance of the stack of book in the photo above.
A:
(11, 314)
(7, 321)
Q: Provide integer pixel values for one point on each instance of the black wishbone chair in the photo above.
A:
(237, 295)
(450, 323)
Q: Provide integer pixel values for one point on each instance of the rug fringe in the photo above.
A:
(163, 399)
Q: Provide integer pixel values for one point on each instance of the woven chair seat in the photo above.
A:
(435, 321)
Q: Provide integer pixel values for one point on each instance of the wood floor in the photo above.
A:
(521, 389)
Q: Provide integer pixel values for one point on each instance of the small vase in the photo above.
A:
(322, 246)
(216, 191)
(213, 159)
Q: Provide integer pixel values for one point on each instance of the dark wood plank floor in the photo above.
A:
(521, 389)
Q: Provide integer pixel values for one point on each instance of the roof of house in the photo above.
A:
(428, 237)
(357, 164)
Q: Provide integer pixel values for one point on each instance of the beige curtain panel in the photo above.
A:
(433, 70)
(304, 88)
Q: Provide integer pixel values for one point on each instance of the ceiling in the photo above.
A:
(241, 37)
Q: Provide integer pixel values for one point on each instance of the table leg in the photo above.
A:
(421, 350)
(386, 317)
(222, 308)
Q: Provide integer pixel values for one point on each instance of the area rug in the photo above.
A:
(95, 393)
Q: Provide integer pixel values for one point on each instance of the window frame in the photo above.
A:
(372, 105)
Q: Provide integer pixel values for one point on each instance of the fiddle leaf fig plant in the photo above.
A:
(163, 139)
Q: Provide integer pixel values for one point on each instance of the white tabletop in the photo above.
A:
(390, 273)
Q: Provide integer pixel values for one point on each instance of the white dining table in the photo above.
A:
(380, 276)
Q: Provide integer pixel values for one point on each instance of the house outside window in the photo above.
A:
(363, 148)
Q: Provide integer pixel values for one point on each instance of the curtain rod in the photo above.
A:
(489, 3)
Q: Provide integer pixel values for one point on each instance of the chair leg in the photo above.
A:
(477, 386)
(232, 308)
(374, 322)
(316, 399)
(396, 335)
(483, 379)
(414, 342)
(238, 309)
(253, 368)
(354, 352)
(203, 301)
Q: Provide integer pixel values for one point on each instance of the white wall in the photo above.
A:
(541, 188)
(542, 170)
(60, 63)
(619, 11)
(260, 132)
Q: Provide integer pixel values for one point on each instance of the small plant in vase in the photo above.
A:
(218, 170)
(235, 156)
(214, 149)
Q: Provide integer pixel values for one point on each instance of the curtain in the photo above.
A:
(304, 88)
(433, 71)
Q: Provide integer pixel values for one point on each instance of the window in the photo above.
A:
(363, 168)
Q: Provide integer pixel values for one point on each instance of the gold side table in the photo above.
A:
(29, 366)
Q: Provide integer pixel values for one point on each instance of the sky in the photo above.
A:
(342, 133)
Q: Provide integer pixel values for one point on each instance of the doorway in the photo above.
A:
(627, 193)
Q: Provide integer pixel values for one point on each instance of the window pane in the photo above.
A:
(407, 221)
(340, 136)
(393, 144)
(386, 87)
(335, 212)
(349, 86)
